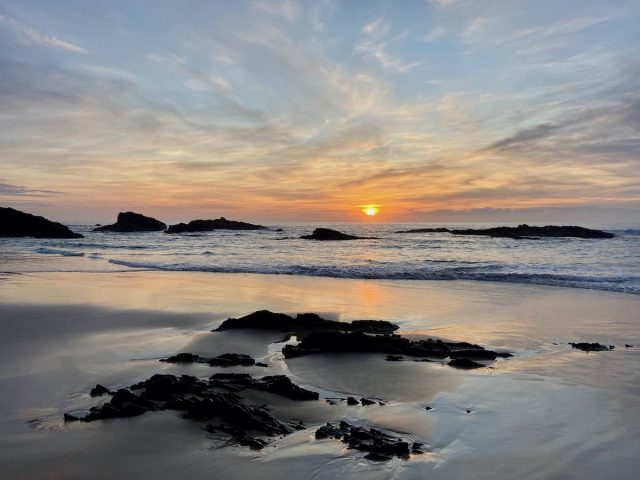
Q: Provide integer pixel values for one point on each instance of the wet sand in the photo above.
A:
(549, 412)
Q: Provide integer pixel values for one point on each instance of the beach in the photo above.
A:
(550, 411)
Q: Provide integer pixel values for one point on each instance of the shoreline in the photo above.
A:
(65, 332)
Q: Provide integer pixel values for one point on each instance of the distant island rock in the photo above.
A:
(523, 231)
(329, 234)
(133, 222)
(210, 225)
(14, 223)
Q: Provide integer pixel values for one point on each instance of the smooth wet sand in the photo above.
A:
(550, 412)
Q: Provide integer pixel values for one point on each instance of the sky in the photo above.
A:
(286, 110)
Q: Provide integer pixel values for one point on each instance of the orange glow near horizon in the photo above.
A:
(370, 210)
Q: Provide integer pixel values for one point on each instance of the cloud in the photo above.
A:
(434, 34)
(373, 46)
(524, 137)
(10, 190)
(32, 36)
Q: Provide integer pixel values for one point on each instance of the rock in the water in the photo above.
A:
(464, 363)
(394, 358)
(394, 346)
(425, 230)
(329, 234)
(366, 402)
(231, 360)
(590, 347)
(352, 401)
(210, 225)
(182, 358)
(303, 323)
(99, 390)
(524, 231)
(378, 445)
(14, 223)
(68, 417)
(133, 222)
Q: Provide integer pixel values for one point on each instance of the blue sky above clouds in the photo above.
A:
(292, 110)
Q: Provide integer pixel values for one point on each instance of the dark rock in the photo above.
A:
(365, 401)
(393, 345)
(70, 418)
(352, 401)
(425, 230)
(182, 358)
(417, 448)
(303, 323)
(394, 358)
(210, 225)
(379, 445)
(133, 222)
(14, 223)
(464, 363)
(626, 345)
(589, 347)
(376, 457)
(329, 234)
(468, 410)
(523, 231)
(427, 408)
(253, 443)
(231, 360)
(282, 385)
(99, 390)
(261, 364)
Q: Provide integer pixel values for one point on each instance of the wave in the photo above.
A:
(55, 251)
(477, 273)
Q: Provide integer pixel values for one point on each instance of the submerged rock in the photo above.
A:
(425, 230)
(231, 359)
(302, 323)
(133, 222)
(590, 347)
(210, 225)
(14, 223)
(329, 234)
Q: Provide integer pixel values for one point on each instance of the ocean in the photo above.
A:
(611, 264)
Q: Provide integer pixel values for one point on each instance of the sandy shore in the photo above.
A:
(549, 412)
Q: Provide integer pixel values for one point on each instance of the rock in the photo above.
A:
(231, 360)
(70, 418)
(427, 408)
(464, 363)
(352, 401)
(210, 225)
(589, 347)
(261, 364)
(282, 385)
(468, 410)
(182, 358)
(14, 223)
(626, 345)
(425, 230)
(523, 231)
(365, 402)
(329, 234)
(303, 323)
(378, 445)
(99, 390)
(394, 358)
(417, 448)
(133, 222)
(394, 346)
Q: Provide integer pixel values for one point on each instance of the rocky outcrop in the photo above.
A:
(591, 347)
(425, 230)
(14, 223)
(303, 323)
(202, 400)
(224, 360)
(210, 225)
(329, 234)
(393, 345)
(133, 222)
(379, 446)
(524, 231)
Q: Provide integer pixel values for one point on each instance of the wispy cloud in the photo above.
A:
(32, 36)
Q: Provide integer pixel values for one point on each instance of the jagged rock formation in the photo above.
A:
(133, 222)
(210, 225)
(14, 223)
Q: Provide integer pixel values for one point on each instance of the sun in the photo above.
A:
(370, 210)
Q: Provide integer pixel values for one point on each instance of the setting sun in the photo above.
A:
(370, 210)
